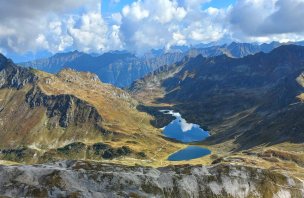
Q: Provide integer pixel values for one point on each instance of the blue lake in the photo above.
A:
(191, 152)
(179, 129)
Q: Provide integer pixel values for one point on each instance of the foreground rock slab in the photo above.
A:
(90, 179)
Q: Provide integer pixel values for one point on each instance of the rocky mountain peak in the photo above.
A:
(13, 76)
(3, 61)
(71, 75)
(2, 58)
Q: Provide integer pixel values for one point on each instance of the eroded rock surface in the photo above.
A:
(88, 179)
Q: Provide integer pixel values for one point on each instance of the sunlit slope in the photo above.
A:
(72, 115)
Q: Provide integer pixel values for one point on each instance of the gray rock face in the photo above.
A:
(87, 179)
(63, 110)
(68, 108)
(13, 76)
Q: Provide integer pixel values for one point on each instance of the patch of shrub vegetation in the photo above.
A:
(116, 152)
(99, 148)
(73, 147)
(20, 154)
(142, 154)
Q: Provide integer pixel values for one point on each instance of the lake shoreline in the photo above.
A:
(180, 131)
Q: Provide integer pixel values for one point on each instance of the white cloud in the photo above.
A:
(135, 11)
(91, 33)
(59, 25)
(42, 42)
(168, 22)
(259, 20)
(185, 126)
(33, 25)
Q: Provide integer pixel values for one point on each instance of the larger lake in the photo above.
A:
(180, 130)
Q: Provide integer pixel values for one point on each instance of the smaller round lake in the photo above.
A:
(191, 152)
(180, 130)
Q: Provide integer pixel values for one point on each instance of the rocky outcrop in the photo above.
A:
(89, 179)
(12, 76)
(67, 108)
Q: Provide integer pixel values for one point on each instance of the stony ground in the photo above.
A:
(90, 179)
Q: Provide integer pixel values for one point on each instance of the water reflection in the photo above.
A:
(179, 129)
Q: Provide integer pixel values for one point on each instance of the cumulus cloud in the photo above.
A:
(162, 23)
(267, 20)
(60, 25)
(286, 18)
(90, 33)
(33, 25)
(28, 9)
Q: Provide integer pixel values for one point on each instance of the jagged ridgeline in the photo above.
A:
(70, 115)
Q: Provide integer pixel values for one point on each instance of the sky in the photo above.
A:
(31, 29)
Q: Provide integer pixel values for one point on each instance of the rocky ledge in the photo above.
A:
(90, 179)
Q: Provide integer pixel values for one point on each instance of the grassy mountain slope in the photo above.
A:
(72, 115)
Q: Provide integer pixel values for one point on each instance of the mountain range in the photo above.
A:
(252, 100)
(121, 68)
(117, 68)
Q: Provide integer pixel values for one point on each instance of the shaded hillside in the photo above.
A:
(71, 115)
(252, 100)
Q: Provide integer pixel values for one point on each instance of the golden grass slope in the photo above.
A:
(25, 126)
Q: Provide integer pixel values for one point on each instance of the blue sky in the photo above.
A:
(109, 6)
(219, 3)
(31, 29)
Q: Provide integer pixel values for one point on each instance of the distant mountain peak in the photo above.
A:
(72, 53)
(2, 57)
(72, 75)
(3, 60)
